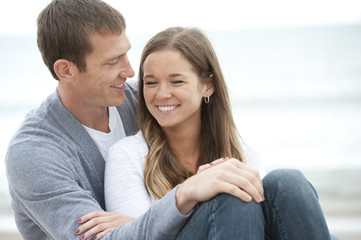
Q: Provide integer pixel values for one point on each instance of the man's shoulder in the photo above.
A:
(131, 93)
(132, 85)
(128, 110)
(47, 125)
(34, 121)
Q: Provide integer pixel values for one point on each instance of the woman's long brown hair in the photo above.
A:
(219, 136)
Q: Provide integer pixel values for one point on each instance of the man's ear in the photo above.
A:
(65, 69)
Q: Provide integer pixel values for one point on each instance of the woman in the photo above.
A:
(188, 138)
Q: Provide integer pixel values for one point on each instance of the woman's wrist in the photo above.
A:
(184, 200)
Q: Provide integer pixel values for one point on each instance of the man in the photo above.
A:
(55, 161)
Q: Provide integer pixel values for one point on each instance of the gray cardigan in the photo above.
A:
(55, 174)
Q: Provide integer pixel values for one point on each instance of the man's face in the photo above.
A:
(107, 68)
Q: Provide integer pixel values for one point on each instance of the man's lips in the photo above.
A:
(120, 85)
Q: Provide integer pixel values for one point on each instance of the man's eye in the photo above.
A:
(113, 62)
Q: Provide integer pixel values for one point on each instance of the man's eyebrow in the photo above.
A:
(118, 56)
(114, 58)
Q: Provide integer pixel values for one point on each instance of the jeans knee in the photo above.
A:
(289, 182)
(280, 177)
(226, 217)
(235, 205)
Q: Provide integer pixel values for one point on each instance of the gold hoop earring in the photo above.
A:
(206, 99)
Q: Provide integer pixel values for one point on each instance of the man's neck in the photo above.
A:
(95, 117)
(99, 120)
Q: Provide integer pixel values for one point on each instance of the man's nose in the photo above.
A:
(127, 71)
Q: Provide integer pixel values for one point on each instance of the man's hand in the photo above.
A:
(226, 176)
(100, 223)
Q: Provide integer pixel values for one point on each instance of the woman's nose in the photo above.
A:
(163, 92)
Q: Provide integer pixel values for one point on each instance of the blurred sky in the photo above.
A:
(19, 16)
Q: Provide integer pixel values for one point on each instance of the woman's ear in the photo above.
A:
(210, 87)
(64, 69)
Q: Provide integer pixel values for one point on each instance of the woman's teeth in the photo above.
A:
(166, 108)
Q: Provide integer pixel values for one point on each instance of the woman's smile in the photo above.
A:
(167, 108)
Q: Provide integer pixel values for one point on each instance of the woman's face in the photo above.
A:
(172, 90)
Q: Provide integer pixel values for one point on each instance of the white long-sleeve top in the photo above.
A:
(125, 190)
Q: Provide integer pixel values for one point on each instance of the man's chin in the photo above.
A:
(118, 103)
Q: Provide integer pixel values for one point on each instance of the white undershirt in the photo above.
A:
(105, 140)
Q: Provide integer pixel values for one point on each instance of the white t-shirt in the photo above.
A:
(105, 140)
(124, 188)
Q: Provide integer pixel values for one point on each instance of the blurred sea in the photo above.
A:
(296, 98)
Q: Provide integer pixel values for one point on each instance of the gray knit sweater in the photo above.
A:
(55, 173)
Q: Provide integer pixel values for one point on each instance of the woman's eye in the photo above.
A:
(150, 83)
(177, 82)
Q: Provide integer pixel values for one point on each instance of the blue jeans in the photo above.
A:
(290, 211)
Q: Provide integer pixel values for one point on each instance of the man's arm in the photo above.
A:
(222, 175)
(45, 186)
(162, 221)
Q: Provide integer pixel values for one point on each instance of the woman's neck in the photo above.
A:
(185, 145)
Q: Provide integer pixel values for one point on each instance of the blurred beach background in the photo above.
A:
(293, 69)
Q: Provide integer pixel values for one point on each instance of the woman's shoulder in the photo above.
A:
(133, 146)
(132, 141)
(254, 159)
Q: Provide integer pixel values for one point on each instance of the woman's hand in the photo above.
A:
(230, 176)
(208, 165)
(100, 223)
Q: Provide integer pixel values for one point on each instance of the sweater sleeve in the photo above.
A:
(45, 189)
(124, 188)
(162, 221)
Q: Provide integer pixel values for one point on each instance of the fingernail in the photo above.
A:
(95, 237)
(77, 231)
(83, 237)
(225, 158)
(211, 164)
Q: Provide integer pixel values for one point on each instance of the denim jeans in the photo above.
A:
(290, 211)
